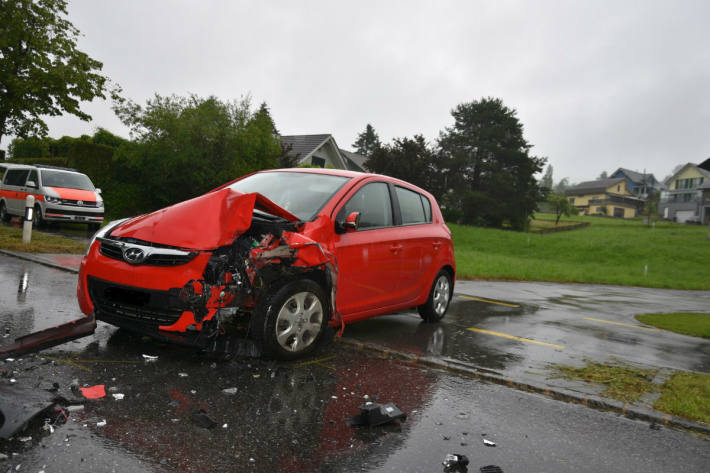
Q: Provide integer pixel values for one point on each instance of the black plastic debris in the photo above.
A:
(201, 419)
(491, 469)
(373, 414)
(455, 462)
(18, 406)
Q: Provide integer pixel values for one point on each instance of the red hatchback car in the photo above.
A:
(266, 263)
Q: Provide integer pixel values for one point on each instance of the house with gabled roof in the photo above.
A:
(604, 197)
(687, 197)
(639, 184)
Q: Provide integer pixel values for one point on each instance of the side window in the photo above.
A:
(427, 208)
(33, 177)
(410, 204)
(16, 177)
(374, 204)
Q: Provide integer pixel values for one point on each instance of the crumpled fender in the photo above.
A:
(203, 223)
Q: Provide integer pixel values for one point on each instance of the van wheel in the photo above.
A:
(289, 320)
(37, 219)
(439, 297)
(4, 216)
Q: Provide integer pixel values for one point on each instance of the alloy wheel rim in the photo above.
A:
(299, 321)
(442, 293)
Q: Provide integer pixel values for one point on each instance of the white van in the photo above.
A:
(61, 195)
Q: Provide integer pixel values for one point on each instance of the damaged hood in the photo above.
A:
(203, 223)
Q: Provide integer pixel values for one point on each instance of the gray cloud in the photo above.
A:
(597, 85)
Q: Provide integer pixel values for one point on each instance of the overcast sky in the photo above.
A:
(597, 85)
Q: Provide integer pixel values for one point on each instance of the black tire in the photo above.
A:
(436, 305)
(289, 320)
(37, 219)
(4, 216)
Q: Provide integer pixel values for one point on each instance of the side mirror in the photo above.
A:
(98, 190)
(351, 224)
(31, 184)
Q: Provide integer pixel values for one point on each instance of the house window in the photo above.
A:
(687, 197)
(571, 200)
(316, 161)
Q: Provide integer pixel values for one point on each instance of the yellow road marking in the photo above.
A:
(318, 362)
(619, 323)
(489, 301)
(513, 337)
(77, 362)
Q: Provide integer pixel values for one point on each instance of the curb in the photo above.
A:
(595, 402)
(39, 260)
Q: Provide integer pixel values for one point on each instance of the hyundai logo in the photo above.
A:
(134, 255)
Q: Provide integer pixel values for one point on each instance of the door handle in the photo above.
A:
(436, 245)
(396, 248)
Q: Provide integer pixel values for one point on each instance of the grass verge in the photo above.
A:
(11, 239)
(685, 394)
(623, 383)
(608, 251)
(687, 323)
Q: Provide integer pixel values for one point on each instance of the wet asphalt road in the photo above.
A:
(291, 416)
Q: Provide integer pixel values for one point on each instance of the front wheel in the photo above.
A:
(4, 216)
(436, 305)
(289, 321)
(37, 219)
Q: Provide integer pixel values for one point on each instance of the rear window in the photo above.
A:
(68, 180)
(411, 205)
(301, 193)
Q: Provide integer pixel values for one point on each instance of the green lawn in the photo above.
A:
(11, 239)
(609, 251)
(696, 325)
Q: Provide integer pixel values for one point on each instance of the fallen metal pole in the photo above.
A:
(51, 336)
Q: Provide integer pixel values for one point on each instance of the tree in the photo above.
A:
(41, 70)
(367, 142)
(409, 159)
(487, 161)
(560, 205)
(562, 185)
(603, 175)
(185, 146)
(546, 180)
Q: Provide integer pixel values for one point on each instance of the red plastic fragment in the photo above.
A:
(94, 392)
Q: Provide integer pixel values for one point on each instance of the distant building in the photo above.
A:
(687, 197)
(639, 184)
(322, 151)
(604, 197)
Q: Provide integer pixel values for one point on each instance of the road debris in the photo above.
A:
(230, 390)
(491, 469)
(201, 419)
(488, 443)
(101, 423)
(373, 414)
(18, 406)
(118, 396)
(93, 392)
(149, 358)
(183, 375)
(75, 408)
(455, 462)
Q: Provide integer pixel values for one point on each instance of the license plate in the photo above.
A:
(79, 218)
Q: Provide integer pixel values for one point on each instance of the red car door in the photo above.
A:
(369, 258)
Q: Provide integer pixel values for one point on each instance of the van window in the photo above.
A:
(16, 177)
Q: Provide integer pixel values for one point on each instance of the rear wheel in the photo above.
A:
(439, 297)
(289, 321)
(4, 216)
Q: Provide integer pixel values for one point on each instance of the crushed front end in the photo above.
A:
(199, 286)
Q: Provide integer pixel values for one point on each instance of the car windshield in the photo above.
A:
(69, 180)
(301, 193)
